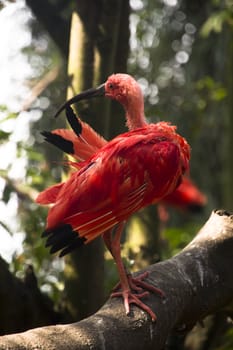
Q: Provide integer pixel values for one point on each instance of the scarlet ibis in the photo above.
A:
(133, 170)
(186, 196)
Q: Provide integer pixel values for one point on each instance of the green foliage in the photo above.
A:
(216, 21)
(5, 115)
(227, 342)
(4, 136)
(42, 166)
(176, 238)
(211, 89)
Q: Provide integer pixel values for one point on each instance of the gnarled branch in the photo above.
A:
(197, 282)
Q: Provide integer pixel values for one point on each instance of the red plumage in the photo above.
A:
(186, 196)
(135, 169)
(154, 157)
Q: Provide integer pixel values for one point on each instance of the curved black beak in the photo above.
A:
(94, 92)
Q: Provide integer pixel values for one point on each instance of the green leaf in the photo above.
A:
(215, 22)
(4, 136)
(219, 94)
(206, 82)
(6, 193)
(9, 115)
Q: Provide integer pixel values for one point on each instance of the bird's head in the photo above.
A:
(120, 87)
(124, 89)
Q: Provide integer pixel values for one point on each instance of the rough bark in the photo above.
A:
(197, 282)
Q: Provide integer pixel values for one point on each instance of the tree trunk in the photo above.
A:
(143, 237)
(197, 282)
(92, 57)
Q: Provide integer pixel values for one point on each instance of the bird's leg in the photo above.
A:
(136, 283)
(132, 289)
(107, 237)
(114, 245)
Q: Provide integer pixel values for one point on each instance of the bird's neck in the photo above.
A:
(135, 117)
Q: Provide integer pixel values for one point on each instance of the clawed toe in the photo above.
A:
(131, 298)
(138, 289)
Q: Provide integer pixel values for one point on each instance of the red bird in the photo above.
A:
(185, 197)
(135, 169)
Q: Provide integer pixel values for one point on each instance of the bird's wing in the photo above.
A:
(80, 147)
(116, 182)
(92, 137)
(49, 195)
(83, 227)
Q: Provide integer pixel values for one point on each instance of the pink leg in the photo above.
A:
(132, 289)
(107, 237)
(137, 284)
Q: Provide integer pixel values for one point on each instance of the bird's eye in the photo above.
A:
(111, 86)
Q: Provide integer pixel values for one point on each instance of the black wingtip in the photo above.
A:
(78, 242)
(58, 141)
(63, 239)
(73, 120)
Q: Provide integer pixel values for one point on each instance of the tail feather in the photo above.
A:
(56, 238)
(49, 195)
(81, 148)
(71, 246)
(91, 222)
(74, 122)
(59, 141)
(84, 131)
(81, 142)
(62, 238)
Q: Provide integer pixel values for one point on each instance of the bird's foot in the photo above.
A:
(131, 298)
(138, 290)
(137, 284)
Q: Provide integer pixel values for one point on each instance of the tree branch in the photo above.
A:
(197, 282)
(56, 25)
(40, 86)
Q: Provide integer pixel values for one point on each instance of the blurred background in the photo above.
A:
(181, 54)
